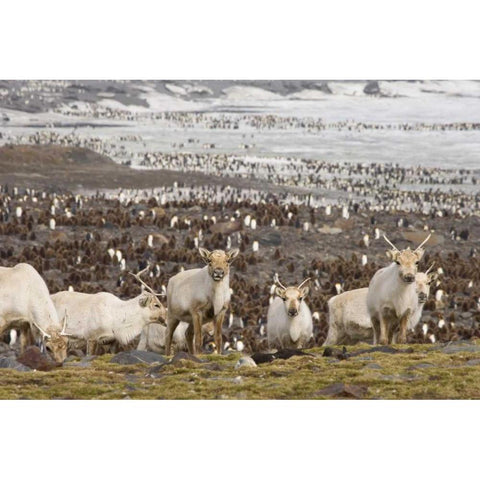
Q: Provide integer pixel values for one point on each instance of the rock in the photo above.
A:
(283, 354)
(372, 88)
(10, 362)
(335, 352)
(287, 353)
(457, 347)
(343, 390)
(474, 361)
(33, 358)
(138, 356)
(329, 230)
(245, 362)
(226, 227)
(180, 356)
(260, 357)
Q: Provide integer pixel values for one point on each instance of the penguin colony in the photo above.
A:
(89, 244)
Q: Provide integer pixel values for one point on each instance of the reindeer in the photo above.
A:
(289, 320)
(25, 303)
(392, 298)
(198, 296)
(348, 318)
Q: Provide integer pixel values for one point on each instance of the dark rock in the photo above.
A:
(343, 390)
(260, 357)
(372, 88)
(32, 357)
(286, 353)
(179, 356)
(283, 354)
(10, 362)
(335, 352)
(138, 356)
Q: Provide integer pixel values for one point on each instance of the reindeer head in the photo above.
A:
(407, 260)
(218, 262)
(292, 296)
(423, 281)
(55, 342)
(157, 312)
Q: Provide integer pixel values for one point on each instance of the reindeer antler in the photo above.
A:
(304, 282)
(150, 289)
(43, 332)
(429, 268)
(63, 332)
(424, 242)
(390, 243)
(279, 283)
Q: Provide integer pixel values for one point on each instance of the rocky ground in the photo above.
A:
(412, 372)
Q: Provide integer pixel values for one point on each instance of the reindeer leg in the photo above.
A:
(376, 329)
(197, 332)
(218, 331)
(189, 337)
(26, 337)
(383, 338)
(91, 347)
(171, 326)
(402, 336)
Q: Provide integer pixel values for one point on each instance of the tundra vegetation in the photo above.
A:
(425, 373)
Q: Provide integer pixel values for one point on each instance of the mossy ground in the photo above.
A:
(427, 373)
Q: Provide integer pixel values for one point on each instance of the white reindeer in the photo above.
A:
(198, 296)
(25, 303)
(289, 320)
(102, 317)
(392, 297)
(152, 338)
(348, 318)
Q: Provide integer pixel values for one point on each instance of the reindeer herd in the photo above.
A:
(197, 302)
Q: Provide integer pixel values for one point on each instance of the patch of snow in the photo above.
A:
(242, 92)
(176, 89)
(308, 94)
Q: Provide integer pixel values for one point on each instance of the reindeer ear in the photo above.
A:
(144, 301)
(392, 255)
(232, 254)
(280, 292)
(304, 291)
(432, 277)
(205, 254)
(419, 252)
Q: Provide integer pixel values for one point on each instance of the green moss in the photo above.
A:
(425, 373)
